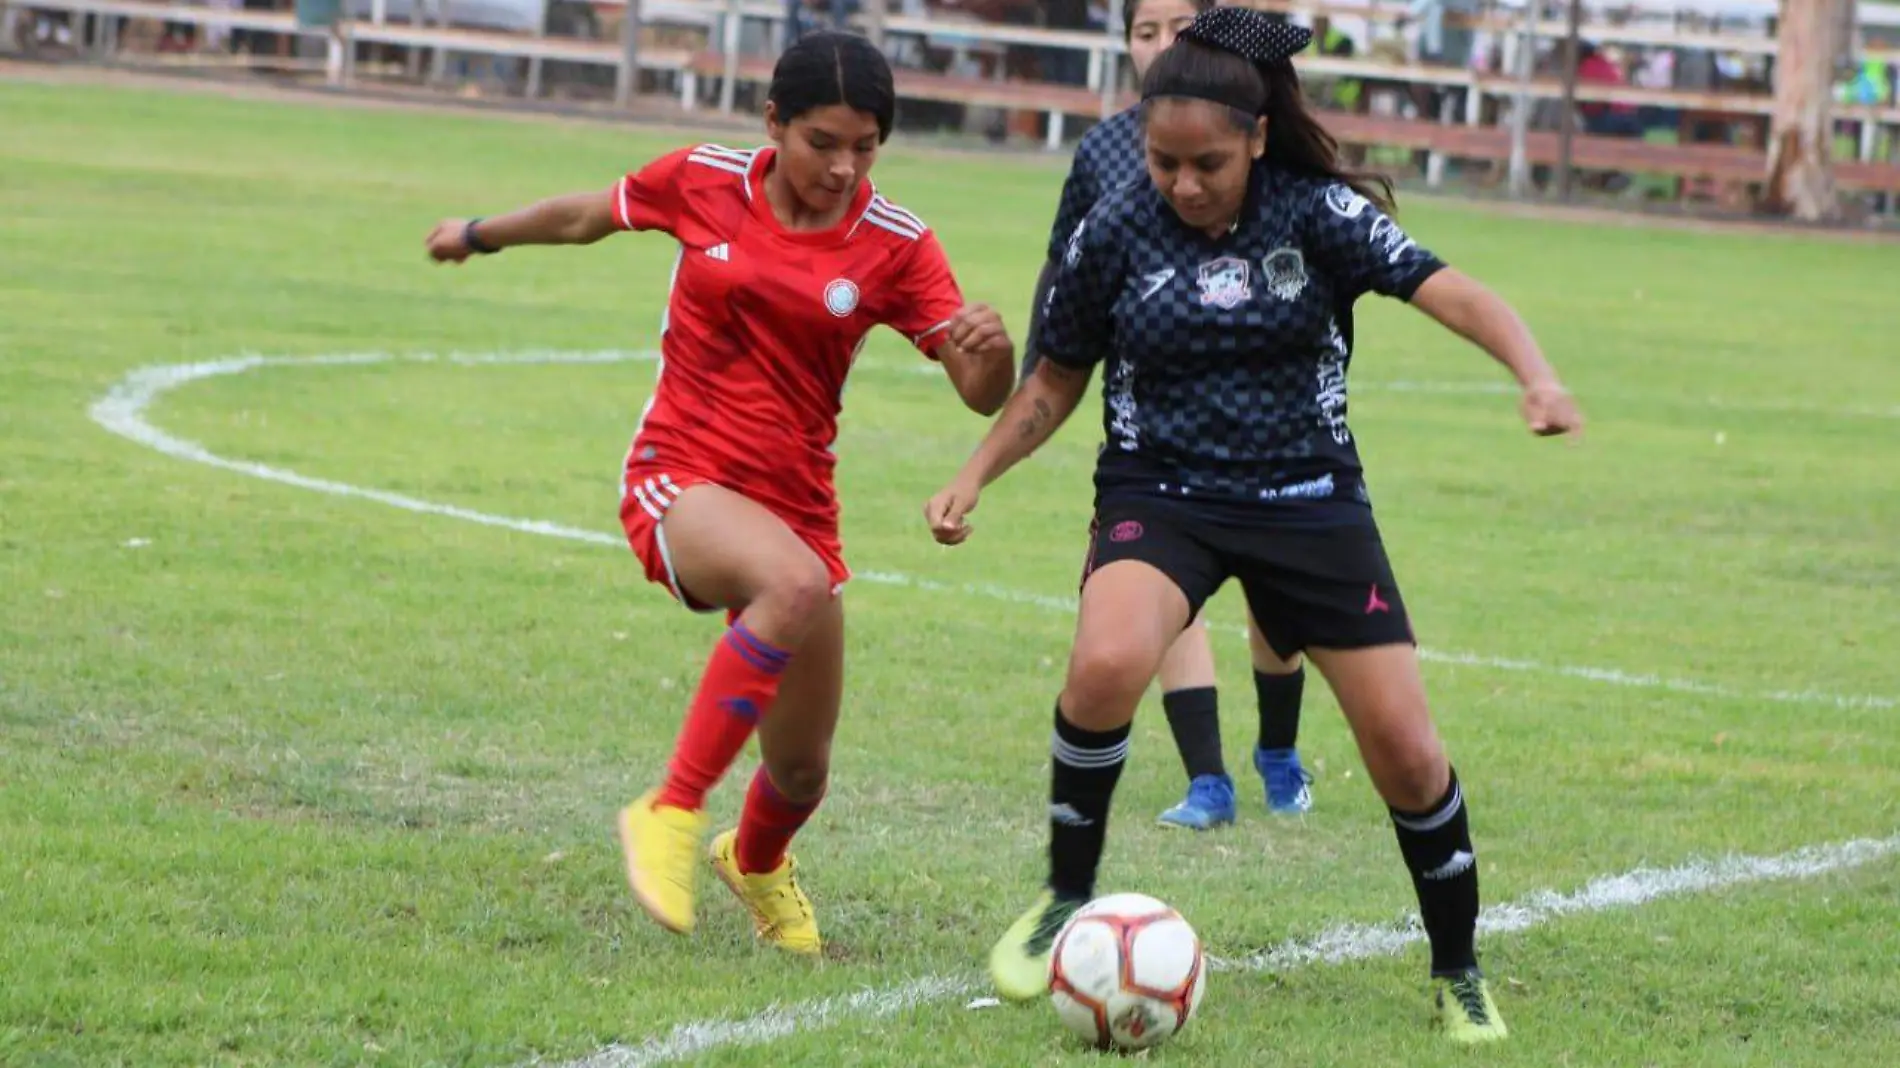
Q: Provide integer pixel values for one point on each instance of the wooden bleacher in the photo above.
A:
(1728, 164)
(1466, 139)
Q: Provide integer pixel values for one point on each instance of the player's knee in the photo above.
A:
(794, 593)
(1413, 775)
(1106, 679)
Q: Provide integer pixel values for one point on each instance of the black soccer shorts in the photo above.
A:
(1329, 586)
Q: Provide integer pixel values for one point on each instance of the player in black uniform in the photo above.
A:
(1109, 157)
(1220, 296)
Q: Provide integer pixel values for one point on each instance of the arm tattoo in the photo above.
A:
(1033, 423)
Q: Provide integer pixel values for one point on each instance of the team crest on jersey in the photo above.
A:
(1284, 270)
(1226, 283)
(841, 297)
(1345, 201)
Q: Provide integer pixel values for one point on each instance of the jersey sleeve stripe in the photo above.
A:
(897, 216)
(938, 329)
(898, 213)
(737, 155)
(718, 163)
(891, 206)
(894, 226)
(622, 210)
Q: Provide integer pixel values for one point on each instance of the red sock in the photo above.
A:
(767, 825)
(740, 682)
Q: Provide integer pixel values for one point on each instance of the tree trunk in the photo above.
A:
(1800, 178)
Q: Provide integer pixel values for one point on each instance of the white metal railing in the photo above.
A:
(723, 20)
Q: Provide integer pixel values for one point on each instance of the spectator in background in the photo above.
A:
(811, 16)
(1341, 93)
(1656, 70)
(1344, 94)
(1870, 84)
(1445, 39)
(1066, 66)
(1604, 120)
(1442, 41)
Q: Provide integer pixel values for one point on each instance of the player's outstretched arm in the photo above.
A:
(573, 219)
(980, 358)
(1043, 403)
(1469, 308)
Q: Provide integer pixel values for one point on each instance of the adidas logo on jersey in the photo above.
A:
(721, 252)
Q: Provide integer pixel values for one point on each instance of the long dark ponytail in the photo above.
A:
(1243, 59)
(1297, 141)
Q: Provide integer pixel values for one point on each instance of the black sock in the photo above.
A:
(1437, 849)
(1279, 707)
(1084, 768)
(1194, 717)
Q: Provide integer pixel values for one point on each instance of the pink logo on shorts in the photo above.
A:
(1374, 603)
(1126, 530)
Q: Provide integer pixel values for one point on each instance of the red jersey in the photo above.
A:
(763, 323)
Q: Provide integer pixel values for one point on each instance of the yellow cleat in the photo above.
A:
(1019, 962)
(1465, 1010)
(780, 910)
(661, 845)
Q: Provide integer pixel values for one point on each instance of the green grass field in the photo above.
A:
(294, 778)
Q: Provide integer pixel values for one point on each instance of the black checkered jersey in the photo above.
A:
(1109, 156)
(1226, 358)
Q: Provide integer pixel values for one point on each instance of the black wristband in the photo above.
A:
(474, 241)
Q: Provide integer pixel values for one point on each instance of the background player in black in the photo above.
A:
(1111, 156)
(1220, 295)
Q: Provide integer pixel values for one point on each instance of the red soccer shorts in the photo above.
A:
(649, 490)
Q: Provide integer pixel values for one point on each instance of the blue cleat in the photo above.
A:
(1286, 781)
(1209, 803)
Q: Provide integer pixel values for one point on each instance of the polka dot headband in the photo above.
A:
(1248, 34)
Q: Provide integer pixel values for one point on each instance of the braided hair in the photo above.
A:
(1243, 60)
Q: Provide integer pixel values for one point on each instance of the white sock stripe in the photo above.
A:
(1096, 766)
(1423, 824)
(1077, 757)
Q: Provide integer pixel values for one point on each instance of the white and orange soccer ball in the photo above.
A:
(1126, 972)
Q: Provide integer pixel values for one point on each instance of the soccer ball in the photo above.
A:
(1126, 972)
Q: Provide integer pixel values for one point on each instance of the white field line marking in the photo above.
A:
(1335, 945)
(123, 411)
(690, 1040)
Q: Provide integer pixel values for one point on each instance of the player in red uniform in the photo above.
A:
(788, 258)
